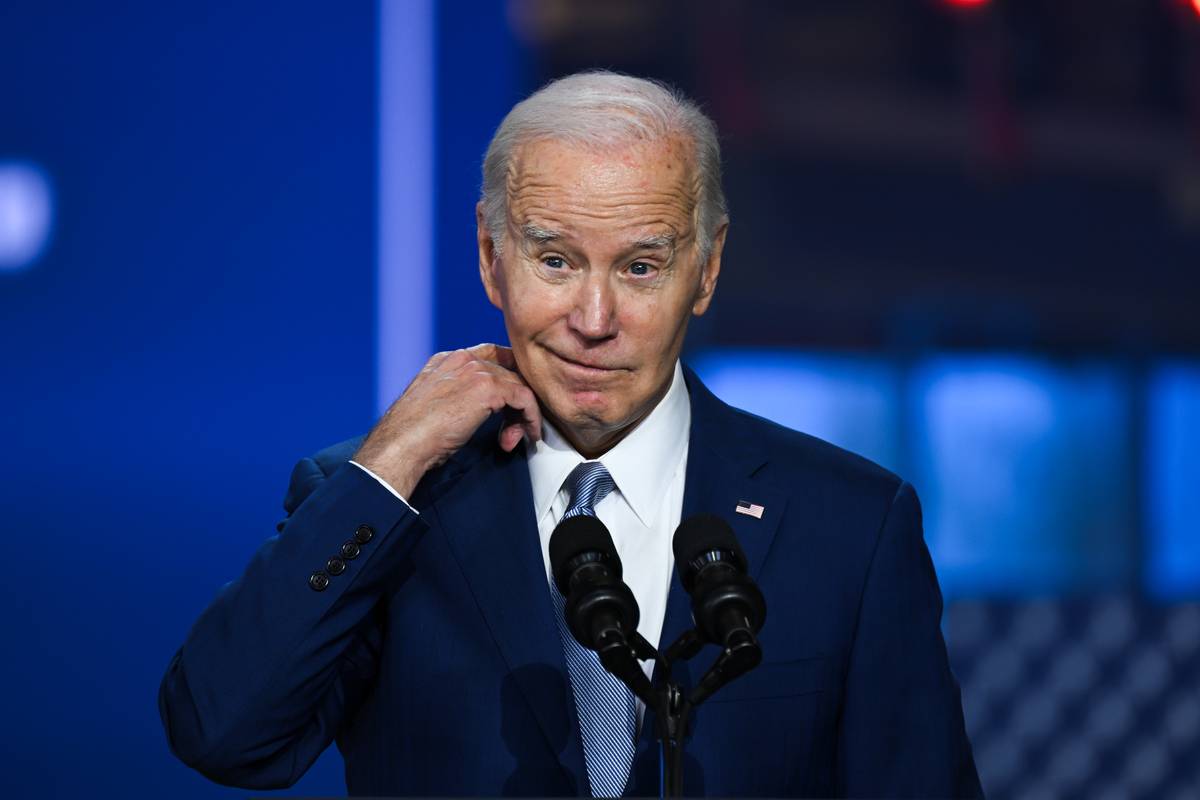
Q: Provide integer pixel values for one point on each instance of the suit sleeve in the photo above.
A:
(901, 731)
(272, 667)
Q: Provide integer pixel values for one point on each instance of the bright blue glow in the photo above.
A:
(1173, 482)
(850, 401)
(1025, 466)
(26, 214)
(1024, 472)
(406, 166)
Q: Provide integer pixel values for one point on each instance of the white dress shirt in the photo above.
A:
(641, 512)
(386, 485)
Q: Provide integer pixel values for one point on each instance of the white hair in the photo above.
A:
(606, 109)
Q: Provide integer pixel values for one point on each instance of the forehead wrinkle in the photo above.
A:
(529, 205)
(678, 195)
(549, 196)
(674, 153)
(546, 187)
(644, 232)
(662, 225)
(550, 215)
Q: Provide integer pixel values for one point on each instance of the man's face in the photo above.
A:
(597, 279)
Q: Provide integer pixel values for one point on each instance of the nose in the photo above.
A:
(594, 315)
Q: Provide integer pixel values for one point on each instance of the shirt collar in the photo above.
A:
(641, 465)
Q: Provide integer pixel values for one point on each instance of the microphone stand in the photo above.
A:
(672, 709)
(672, 715)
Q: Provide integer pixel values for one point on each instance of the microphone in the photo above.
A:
(727, 605)
(600, 609)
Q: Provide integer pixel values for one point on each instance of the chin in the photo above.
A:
(589, 410)
(585, 410)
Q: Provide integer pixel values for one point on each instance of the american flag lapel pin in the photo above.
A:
(749, 509)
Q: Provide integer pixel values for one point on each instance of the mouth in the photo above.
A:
(585, 367)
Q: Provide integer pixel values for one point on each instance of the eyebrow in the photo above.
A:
(540, 235)
(662, 241)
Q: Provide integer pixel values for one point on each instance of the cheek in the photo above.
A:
(530, 307)
(652, 319)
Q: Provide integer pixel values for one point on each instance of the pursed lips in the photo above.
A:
(584, 365)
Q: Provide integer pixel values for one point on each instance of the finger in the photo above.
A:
(436, 359)
(518, 400)
(504, 391)
(457, 360)
(496, 353)
(502, 372)
(512, 429)
(523, 399)
(510, 436)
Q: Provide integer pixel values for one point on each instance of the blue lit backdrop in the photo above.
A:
(246, 226)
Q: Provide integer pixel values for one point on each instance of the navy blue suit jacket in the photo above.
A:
(434, 660)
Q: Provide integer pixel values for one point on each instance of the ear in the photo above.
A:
(709, 272)
(489, 261)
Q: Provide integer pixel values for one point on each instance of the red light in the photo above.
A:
(982, 3)
(1196, 6)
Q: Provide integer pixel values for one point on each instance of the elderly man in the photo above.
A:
(404, 610)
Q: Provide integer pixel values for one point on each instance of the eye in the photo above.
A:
(554, 262)
(641, 269)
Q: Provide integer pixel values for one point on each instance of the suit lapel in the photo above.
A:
(493, 533)
(720, 472)
(715, 486)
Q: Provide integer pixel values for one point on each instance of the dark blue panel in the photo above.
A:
(202, 318)
(481, 74)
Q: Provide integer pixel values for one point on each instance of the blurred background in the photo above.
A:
(965, 243)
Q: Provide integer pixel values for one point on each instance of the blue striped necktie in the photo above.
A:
(606, 708)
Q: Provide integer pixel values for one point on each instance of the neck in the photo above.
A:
(591, 443)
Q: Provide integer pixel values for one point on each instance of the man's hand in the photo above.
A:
(444, 405)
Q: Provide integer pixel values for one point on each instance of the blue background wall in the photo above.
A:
(1020, 345)
(203, 318)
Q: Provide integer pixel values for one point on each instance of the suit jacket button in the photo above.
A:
(363, 534)
(350, 550)
(335, 566)
(319, 581)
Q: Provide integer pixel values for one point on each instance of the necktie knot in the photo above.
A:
(588, 484)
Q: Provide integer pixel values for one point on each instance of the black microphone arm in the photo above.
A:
(600, 609)
(602, 614)
(727, 605)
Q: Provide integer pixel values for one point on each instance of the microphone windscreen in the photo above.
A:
(574, 537)
(701, 534)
